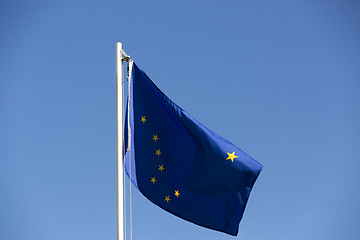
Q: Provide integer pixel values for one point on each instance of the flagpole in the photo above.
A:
(120, 148)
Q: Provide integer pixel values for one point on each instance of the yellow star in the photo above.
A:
(167, 198)
(158, 152)
(155, 138)
(143, 119)
(177, 193)
(153, 180)
(161, 167)
(231, 156)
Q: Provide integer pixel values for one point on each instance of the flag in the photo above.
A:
(182, 166)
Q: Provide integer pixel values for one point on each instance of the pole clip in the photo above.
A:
(125, 56)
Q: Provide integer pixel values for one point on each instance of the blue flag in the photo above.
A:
(182, 166)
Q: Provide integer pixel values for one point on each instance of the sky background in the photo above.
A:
(279, 79)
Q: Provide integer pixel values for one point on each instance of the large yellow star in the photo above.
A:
(177, 193)
(158, 152)
(167, 198)
(143, 119)
(153, 180)
(155, 138)
(231, 156)
(161, 168)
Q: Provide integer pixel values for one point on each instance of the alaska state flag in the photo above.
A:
(182, 166)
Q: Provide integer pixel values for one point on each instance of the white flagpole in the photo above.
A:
(120, 148)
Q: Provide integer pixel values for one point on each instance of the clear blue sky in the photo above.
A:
(280, 79)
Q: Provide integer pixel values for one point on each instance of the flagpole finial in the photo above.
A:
(124, 56)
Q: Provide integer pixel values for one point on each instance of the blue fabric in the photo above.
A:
(204, 178)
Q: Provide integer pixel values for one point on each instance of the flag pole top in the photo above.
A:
(124, 56)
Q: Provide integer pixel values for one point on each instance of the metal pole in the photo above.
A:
(120, 153)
